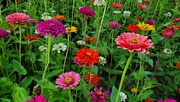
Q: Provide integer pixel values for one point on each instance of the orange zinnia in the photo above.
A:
(59, 17)
(30, 37)
(90, 39)
(92, 78)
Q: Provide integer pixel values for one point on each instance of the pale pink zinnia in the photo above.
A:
(68, 80)
(18, 18)
(134, 42)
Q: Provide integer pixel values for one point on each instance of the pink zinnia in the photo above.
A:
(68, 80)
(117, 5)
(87, 12)
(39, 98)
(134, 42)
(18, 18)
(141, 6)
(167, 100)
(113, 25)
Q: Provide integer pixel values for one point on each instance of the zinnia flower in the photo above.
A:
(59, 17)
(81, 42)
(52, 27)
(3, 33)
(167, 100)
(30, 37)
(147, 0)
(141, 6)
(87, 57)
(167, 33)
(133, 28)
(98, 96)
(126, 13)
(167, 51)
(59, 47)
(92, 78)
(117, 5)
(87, 12)
(18, 18)
(134, 90)
(99, 3)
(150, 21)
(134, 42)
(42, 48)
(71, 29)
(123, 96)
(178, 65)
(102, 60)
(68, 80)
(90, 39)
(46, 16)
(148, 100)
(113, 25)
(145, 27)
(168, 14)
(173, 27)
(39, 98)
(138, 17)
(176, 19)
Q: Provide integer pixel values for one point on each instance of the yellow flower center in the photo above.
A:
(134, 40)
(68, 80)
(99, 93)
(88, 53)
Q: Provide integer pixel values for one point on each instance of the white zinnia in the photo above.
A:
(102, 60)
(42, 48)
(167, 51)
(126, 13)
(123, 96)
(59, 47)
(81, 42)
(45, 16)
(99, 3)
(139, 1)
(168, 14)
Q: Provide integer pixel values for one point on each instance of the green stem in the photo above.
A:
(45, 5)
(66, 52)
(20, 37)
(123, 75)
(84, 34)
(70, 97)
(1, 15)
(155, 8)
(48, 60)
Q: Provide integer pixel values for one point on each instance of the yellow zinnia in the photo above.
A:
(145, 27)
(71, 29)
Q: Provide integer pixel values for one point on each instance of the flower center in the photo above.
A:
(68, 80)
(134, 40)
(99, 93)
(88, 53)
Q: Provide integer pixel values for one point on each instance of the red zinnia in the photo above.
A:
(133, 28)
(167, 33)
(92, 78)
(86, 56)
(148, 100)
(30, 37)
(90, 39)
(178, 65)
(117, 5)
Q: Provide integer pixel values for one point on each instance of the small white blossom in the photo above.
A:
(81, 42)
(59, 47)
(167, 51)
(126, 13)
(42, 48)
(139, 1)
(117, 12)
(168, 14)
(46, 16)
(99, 3)
(123, 96)
(102, 60)
(53, 11)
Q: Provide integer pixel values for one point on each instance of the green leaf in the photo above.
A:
(26, 81)
(139, 75)
(143, 95)
(47, 84)
(118, 72)
(20, 94)
(113, 94)
(18, 67)
(53, 73)
(4, 100)
(149, 61)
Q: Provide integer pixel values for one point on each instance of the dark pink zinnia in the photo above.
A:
(87, 12)
(117, 5)
(17, 18)
(150, 21)
(52, 27)
(98, 96)
(113, 25)
(3, 33)
(38, 98)
(176, 19)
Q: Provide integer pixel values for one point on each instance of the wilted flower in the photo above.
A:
(38, 98)
(42, 48)
(150, 21)
(123, 96)
(113, 25)
(99, 3)
(68, 80)
(3, 33)
(145, 27)
(167, 51)
(81, 42)
(134, 42)
(117, 5)
(59, 47)
(148, 100)
(138, 17)
(87, 12)
(86, 56)
(102, 60)
(52, 27)
(133, 28)
(18, 18)
(126, 13)
(71, 29)
(168, 14)
(98, 96)
(178, 65)
(167, 33)
(45, 16)
(30, 37)
(92, 78)
(59, 17)
(176, 19)
(134, 90)
(141, 6)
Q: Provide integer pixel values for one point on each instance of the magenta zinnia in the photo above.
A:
(113, 25)
(68, 80)
(18, 18)
(52, 27)
(3, 33)
(87, 12)
(98, 96)
(134, 42)
(38, 98)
